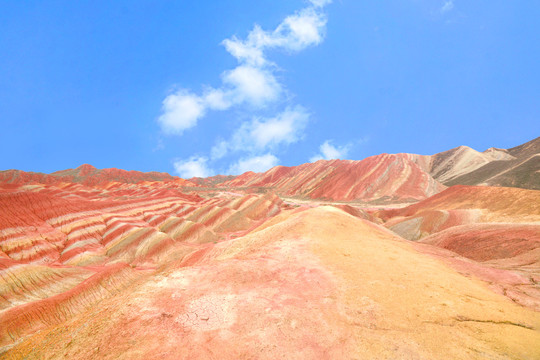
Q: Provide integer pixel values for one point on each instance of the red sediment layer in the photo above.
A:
(113, 220)
(88, 175)
(381, 177)
(483, 242)
(512, 201)
(31, 317)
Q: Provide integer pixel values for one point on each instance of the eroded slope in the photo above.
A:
(296, 288)
(382, 178)
(64, 248)
(496, 227)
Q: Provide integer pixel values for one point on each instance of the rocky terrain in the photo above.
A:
(520, 167)
(85, 174)
(392, 257)
(401, 177)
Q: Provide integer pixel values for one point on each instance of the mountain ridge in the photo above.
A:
(85, 174)
(515, 167)
(324, 259)
(382, 178)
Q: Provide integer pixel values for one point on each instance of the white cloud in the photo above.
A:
(217, 99)
(448, 5)
(295, 33)
(284, 128)
(329, 152)
(181, 111)
(254, 85)
(219, 150)
(261, 134)
(255, 164)
(253, 81)
(193, 167)
(320, 3)
(246, 52)
(302, 30)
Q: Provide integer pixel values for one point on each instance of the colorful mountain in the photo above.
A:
(337, 259)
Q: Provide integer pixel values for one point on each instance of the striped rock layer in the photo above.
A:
(86, 174)
(400, 177)
(65, 248)
(115, 264)
(387, 177)
(497, 227)
(308, 283)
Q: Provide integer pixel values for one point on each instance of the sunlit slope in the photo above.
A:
(312, 284)
(495, 226)
(460, 205)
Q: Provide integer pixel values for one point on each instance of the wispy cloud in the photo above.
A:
(447, 6)
(252, 82)
(255, 163)
(327, 151)
(320, 3)
(193, 167)
(295, 33)
(262, 134)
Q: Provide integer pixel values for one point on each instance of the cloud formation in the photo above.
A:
(180, 112)
(320, 3)
(193, 167)
(255, 163)
(295, 33)
(329, 152)
(261, 134)
(252, 82)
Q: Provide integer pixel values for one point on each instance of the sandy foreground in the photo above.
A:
(312, 283)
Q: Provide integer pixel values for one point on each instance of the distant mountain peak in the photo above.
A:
(86, 169)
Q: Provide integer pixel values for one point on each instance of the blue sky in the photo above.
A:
(206, 87)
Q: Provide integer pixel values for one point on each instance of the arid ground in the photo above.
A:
(392, 257)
